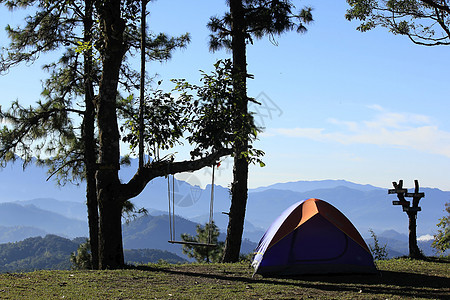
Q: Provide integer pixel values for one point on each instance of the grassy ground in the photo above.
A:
(399, 279)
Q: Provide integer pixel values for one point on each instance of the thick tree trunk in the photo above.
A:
(111, 194)
(110, 242)
(108, 184)
(89, 138)
(239, 186)
(414, 251)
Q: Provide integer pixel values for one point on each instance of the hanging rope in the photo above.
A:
(172, 213)
(170, 210)
(211, 209)
(173, 205)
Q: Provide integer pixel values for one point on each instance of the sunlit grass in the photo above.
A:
(398, 279)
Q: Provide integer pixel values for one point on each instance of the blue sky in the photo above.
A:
(371, 108)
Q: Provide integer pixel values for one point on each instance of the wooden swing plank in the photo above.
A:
(193, 243)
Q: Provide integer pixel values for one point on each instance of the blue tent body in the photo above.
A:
(312, 237)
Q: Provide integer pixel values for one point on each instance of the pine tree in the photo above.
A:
(49, 127)
(207, 234)
(247, 20)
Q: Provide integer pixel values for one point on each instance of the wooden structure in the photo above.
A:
(411, 211)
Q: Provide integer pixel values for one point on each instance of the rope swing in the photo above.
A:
(172, 214)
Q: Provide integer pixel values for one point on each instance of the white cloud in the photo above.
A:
(405, 130)
(312, 133)
(375, 107)
(425, 238)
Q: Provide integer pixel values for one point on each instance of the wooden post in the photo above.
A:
(411, 211)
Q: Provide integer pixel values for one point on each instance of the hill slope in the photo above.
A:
(51, 252)
(153, 232)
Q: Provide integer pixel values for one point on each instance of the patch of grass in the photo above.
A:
(398, 279)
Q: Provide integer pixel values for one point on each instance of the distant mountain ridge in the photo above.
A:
(69, 209)
(13, 214)
(13, 234)
(366, 206)
(304, 186)
(18, 184)
(365, 209)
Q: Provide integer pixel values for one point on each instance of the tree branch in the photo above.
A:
(62, 167)
(162, 168)
(432, 3)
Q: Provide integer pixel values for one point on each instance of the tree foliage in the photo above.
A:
(207, 234)
(424, 22)
(200, 114)
(262, 18)
(442, 238)
(210, 128)
(48, 131)
(82, 258)
(50, 252)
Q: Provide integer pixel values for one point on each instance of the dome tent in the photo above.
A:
(312, 237)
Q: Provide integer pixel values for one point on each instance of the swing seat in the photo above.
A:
(193, 243)
(172, 213)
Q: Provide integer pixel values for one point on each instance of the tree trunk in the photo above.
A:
(414, 251)
(110, 241)
(89, 138)
(108, 184)
(142, 84)
(240, 170)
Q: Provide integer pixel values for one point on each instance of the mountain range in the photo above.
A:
(32, 206)
(53, 252)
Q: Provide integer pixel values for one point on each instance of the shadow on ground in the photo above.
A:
(385, 283)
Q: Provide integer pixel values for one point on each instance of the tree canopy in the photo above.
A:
(94, 71)
(442, 238)
(424, 22)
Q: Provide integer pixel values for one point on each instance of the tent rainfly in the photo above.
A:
(312, 237)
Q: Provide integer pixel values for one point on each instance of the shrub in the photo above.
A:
(82, 259)
(378, 252)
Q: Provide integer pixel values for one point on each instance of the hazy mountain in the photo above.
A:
(365, 205)
(18, 184)
(70, 209)
(365, 209)
(251, 232)
(397, 244)
(13, 214)
(9, 234)
(304, 186)
(153, 232)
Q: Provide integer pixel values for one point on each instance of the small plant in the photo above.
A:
(82, 259)
(246, 258)
(378, 252)
(207, 234)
